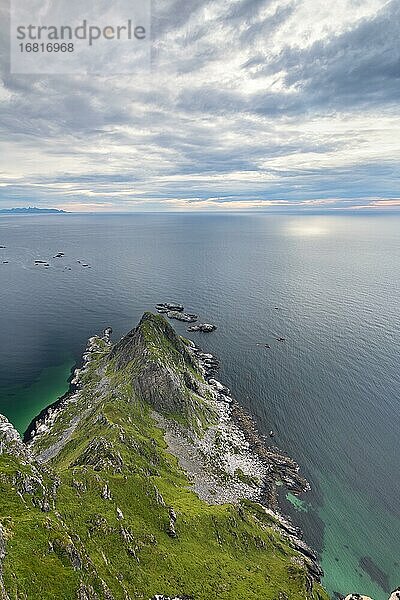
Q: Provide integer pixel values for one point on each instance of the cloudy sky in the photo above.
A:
(249, 104)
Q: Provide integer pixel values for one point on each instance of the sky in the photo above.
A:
(248, 104)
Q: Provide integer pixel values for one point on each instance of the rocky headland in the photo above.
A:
(148, 481)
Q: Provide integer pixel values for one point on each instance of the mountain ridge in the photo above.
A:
(31, 210)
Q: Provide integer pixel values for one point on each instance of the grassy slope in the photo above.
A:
(220, 552)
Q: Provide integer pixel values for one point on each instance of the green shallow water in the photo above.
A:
(24, 403)
(348, 536)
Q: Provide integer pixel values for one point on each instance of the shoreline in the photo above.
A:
(72, 382)
(26, 436)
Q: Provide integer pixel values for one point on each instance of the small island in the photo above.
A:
(31, 210)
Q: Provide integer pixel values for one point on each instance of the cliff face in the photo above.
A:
(139, 485)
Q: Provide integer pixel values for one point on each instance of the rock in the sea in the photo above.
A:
(165, 307)
(203, 327)
(395, 594)
(181, 316)
(107, 334)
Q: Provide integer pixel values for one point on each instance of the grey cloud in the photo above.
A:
(358, 67)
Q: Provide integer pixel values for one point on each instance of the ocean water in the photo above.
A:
(328, 284)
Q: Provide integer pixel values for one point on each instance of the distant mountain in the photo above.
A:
(31, 210)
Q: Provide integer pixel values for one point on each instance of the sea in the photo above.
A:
(327, 283)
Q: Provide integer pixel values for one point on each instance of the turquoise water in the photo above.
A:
(27, 401)
(340, 558)
(331, 391)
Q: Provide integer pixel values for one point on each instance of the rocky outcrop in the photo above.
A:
(162, 597)
(395, 595)
(166, 307)
(86, 592)
(181, 316)
(10, 440)
(101, 455)
(161, 359)
(203, 327)
(172, 520)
